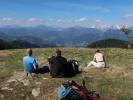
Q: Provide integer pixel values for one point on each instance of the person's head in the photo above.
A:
(58, 52)
(97, 51)
(29, 51)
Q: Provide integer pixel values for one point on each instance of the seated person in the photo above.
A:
(98, 60)
(58, 65)
(30, 65)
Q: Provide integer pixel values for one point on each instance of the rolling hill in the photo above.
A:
(20, 44)
(109, 43)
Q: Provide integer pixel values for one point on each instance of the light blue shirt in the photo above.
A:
(29, 62)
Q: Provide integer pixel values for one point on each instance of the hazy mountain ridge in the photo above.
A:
(73, 36)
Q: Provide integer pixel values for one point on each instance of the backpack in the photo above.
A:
(72, 68)
(65, 92)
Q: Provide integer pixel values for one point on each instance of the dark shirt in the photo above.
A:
(58, 66)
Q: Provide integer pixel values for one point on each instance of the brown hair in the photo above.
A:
(97, 50)
(58, 52)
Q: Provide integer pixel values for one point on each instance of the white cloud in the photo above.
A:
(34, 20)
(81, 19)
(7, 19)
(129, 16)
(98, 20)
(100, 24)
(128, 19)
(60, 20)
(82, 22)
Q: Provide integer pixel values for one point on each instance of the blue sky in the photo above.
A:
(104, 11)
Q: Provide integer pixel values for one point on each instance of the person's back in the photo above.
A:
(29, 63)
(60, 61)
(58, 65)
(98, 57)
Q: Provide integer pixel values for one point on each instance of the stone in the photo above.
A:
(26, 82)
(6, 85)
(38, 83)
(7, 88)
(22, 95)
(36, 92)
(12, 80)
(4, 88)
(2, 96)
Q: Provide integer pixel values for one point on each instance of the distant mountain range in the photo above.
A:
(68, 37)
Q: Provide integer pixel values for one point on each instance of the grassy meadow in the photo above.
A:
(113, 83)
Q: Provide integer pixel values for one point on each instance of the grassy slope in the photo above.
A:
(114, 83)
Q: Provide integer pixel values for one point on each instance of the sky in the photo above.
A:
(65, 13)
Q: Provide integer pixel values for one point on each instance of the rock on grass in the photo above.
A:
(36, 92)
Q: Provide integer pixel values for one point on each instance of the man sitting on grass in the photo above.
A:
(98, 60)
(58, 65)
(29, 63)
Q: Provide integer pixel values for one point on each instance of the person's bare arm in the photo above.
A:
(94, 58)
(36, 67)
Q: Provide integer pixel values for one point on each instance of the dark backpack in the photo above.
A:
(91, 95)
(72, 96)
(72, 68)
(66, 93)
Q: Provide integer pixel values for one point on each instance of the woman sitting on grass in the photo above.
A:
(98, 60)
